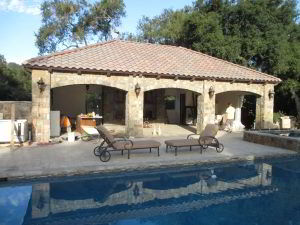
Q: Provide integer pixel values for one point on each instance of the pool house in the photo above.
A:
(130, 83)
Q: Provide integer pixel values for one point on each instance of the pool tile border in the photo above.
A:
(105, 170)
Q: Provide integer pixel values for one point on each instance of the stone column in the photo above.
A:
(40, 200)
(258, 113)
(268, 107)
(134, 113)
(205, 107)
(41, 107)
(264, 108)
(237, 123)
(200, 113)
(266, 174)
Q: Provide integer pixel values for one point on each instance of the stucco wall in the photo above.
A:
(155, 104)
(222, 100)
(174, 115)
(71, 100)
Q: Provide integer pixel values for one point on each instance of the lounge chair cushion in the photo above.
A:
(106, 133)
(120, 145)
(210, 130)
(182, 142)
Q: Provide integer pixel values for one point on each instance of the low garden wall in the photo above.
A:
(267, 138)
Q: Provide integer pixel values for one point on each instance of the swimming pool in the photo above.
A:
(265, 192)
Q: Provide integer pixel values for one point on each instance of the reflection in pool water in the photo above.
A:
(260, 193)
(13, 204)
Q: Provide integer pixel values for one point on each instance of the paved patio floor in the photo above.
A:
(78, 158)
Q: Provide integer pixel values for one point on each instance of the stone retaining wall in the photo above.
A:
(264, 138)
(23, 110)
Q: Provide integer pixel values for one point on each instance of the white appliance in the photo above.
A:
(20, 131)
(54, 123)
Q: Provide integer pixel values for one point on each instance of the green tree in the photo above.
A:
(15, 82)
(261, 34)
(166, 28)
(73, 23)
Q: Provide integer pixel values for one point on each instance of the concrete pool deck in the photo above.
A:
(78, 158)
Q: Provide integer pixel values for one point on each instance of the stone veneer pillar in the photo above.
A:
(40, 107)
(40, 200)
(205, 107)
(134, 113)
(264, 109)
(258, 113)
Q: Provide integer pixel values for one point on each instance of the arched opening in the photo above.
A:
(244, 104)
(87, 105)
(172, 110)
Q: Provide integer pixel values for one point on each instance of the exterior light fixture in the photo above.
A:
(271, 94)
(211, 91)
(41, 84)
(137, 89)
(87, 87)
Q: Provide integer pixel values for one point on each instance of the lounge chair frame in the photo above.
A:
(103, 151)
(204, 143)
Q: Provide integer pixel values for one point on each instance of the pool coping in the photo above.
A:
(106, 170)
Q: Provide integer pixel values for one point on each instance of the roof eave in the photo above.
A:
(127, 73)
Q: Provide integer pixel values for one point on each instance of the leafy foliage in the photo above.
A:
(261, 34)
(15, 82)
(72, 23)
(277, 116)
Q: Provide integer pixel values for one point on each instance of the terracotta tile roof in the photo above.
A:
(149, 59)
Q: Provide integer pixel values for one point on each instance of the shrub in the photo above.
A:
(277, 115)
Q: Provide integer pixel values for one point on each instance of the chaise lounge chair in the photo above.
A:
(120, 145)
(206, 139)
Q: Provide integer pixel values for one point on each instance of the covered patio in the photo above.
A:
(166, 130)
(187, 86)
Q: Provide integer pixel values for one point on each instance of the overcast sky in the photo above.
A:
(20, 19)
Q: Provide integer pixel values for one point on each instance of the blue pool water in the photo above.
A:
(266, 192)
